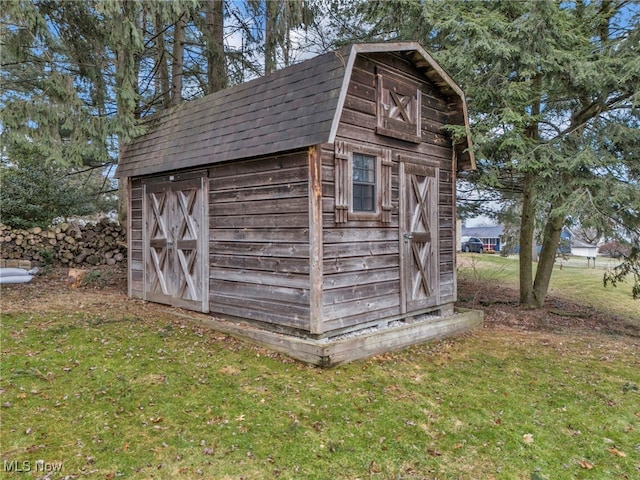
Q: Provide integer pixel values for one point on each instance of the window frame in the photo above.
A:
(375, 159)
(375, 153)
(344, 153)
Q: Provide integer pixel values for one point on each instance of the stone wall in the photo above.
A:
(66, 244)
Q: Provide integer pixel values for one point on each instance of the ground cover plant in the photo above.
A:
(94, 385)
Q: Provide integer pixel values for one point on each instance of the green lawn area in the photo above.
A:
(132, 392)
(571, 279)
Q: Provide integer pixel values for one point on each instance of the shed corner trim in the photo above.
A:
(343, 93)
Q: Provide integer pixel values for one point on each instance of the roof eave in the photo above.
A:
(349, 62)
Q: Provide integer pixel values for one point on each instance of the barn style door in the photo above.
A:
(175, 253)
(419, 236)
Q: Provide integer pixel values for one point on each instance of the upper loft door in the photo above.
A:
(176, 241)
(419, 236)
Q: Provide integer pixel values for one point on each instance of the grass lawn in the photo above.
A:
(103, 387)
(570, 279)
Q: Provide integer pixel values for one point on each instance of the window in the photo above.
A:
(364, 182)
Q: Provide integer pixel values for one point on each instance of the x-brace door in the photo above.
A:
(189, 233)
(176, 243)
(419, 242)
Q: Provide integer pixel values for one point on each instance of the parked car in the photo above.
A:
(471, 244)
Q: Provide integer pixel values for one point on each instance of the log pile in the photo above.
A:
(66, 244)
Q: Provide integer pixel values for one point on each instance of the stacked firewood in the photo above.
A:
(66, 244)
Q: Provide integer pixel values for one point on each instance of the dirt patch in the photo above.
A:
(106, 290)
(500, 306)
(53, 292)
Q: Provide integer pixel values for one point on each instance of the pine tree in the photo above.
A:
(280, 18)
(54, 94)
(552, 87)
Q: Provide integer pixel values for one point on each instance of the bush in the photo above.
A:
(34, 192)
(615, 249)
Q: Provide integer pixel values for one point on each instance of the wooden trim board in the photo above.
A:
(347, 348)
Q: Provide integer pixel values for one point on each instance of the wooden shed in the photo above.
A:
(311, 210)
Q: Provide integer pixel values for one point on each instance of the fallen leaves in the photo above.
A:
(527, 438)
(208, 449)
(148, 388)
(374, 468)
(612, 450)
(616, 452)
(229, 370)
(586, 465)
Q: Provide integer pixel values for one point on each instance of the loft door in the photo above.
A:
(175, 250)
(419, 236)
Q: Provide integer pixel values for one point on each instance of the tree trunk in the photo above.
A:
(552, 231)
(214, 35)
(528, 219)
(527, 230)
(126, 95)
(271, 36)
(163, 87)
(177, 65)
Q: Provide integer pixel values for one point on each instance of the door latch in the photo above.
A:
(407, 236)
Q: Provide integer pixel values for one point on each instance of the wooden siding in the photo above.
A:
(447, 236)
(361, 279)
(136, 267)
(275, 252)
(361, 259)
(259, 240)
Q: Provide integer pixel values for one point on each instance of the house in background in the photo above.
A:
(312, 209)
(565, 242)
(491, 237)
(583, 248)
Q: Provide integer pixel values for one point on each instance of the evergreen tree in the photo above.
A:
(54, 94)
(553, 91)
(280, 18)
(34, 192)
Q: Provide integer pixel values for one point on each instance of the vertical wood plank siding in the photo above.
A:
(284, 247)
(361, 259)
(259, 239)
(136, 266)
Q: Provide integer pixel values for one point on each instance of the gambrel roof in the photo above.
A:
(292, 108)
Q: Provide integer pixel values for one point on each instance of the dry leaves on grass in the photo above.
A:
(586, 465)
(501, 308)
(616, 452)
